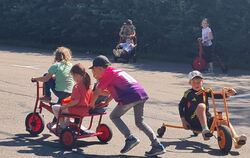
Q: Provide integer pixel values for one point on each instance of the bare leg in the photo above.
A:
(211, 67)
(201, 114)
(63, 122)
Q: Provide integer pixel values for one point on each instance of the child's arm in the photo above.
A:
(121, 31)
(43, 78)
(71, 104)
(185, 124)
(210, 36)
(132, 35)
(216, 95)
(109, 99)
(105, 93)
(182, 104)
(96, 94)
(229, 92)
(106, 102)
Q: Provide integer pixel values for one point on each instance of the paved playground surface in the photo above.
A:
(165, 84)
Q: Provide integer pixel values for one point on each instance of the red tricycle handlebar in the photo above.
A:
(32, 80)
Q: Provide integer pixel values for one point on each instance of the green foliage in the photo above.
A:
(166, 28)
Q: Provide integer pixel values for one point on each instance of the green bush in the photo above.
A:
(166, 28)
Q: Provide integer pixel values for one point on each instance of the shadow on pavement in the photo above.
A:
(195, 147)
(40, 147)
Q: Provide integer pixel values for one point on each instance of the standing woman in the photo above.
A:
(206, 39)
(127, 31)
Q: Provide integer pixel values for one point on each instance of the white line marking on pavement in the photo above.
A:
(26, 66)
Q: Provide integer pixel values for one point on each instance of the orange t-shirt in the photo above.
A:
(84, 96)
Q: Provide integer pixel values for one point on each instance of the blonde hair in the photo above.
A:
(62, 54)
(205, 20)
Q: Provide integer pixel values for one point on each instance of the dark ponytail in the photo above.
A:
(86, 80)
(79, 69)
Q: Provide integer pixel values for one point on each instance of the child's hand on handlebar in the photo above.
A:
(33, 79)
(102, 104)
(230, 92)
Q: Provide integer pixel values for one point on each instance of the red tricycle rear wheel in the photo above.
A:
(34, 123)
(106, 133)
(68, 138)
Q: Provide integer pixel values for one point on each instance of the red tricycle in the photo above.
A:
(34, 123)
(199, 62)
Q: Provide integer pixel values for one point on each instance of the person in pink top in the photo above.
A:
(81, 96)
(128, 94)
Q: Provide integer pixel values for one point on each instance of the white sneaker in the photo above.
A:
(116, 53)
(241, 140)
(51, 126)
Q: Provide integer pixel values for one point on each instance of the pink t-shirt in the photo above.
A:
(80, 92)
(122, 87)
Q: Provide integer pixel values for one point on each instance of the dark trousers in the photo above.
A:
(49, 86)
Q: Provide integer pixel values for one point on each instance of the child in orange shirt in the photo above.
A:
(80, 97)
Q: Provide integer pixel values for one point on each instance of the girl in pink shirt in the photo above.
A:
(128, 94)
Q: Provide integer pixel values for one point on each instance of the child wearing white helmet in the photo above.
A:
(194, 108)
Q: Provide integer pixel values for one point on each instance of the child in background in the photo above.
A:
(128, 93)
(80, 97)
(124, 48)
(58, 78)
(194, 109)
(206, 40)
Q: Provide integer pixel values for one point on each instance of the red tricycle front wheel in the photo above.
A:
(34, 123)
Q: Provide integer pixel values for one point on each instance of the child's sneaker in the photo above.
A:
(45, 99)
(130, 143)
(116, 52)
(241, 140)
(206, 134)
(51, 126)
(156, 150)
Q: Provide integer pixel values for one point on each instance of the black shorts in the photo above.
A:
(190, 111)
(195, 123)
(208, 53)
